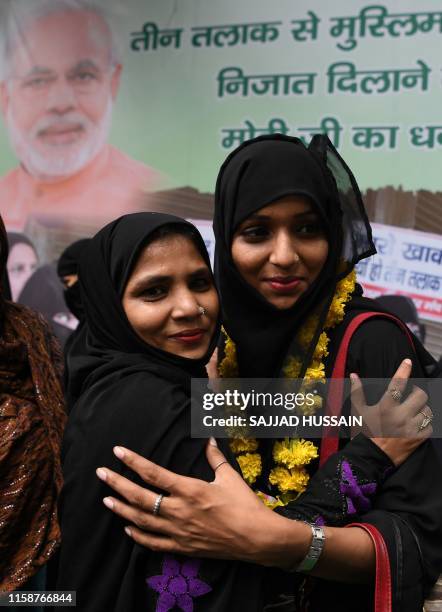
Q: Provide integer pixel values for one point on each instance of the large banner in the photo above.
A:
(407, 263)
(107, 104)
(174, 86)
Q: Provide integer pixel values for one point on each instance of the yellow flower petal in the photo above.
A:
(242, 445)
(250, 465)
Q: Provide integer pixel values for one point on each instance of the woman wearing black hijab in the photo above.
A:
(67, 270)
(265, 315)
(255, 178)
(44, 294)
(151, 322)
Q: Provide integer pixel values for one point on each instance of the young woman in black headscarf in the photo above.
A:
(151, 323)
(274, 190)
(276, 200)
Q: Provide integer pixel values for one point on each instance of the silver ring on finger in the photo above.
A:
(157, 505)
(220, 464)
(426, 421)
(396, 394)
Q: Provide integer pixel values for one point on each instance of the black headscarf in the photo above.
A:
(68, 261)
(123, 391)
(257, 173)
(44, 293)
(68, 265)
(107, 343)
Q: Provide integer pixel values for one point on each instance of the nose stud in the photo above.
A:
(202, 310)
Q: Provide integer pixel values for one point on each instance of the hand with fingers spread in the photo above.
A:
(224, 519)
(398, 428)
(196, 517)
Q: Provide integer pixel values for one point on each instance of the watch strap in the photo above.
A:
(315, 550)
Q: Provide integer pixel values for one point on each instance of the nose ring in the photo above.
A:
(202, 310)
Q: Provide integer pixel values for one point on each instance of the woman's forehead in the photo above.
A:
(169, 253)
(289, 205)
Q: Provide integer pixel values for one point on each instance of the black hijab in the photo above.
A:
(107, 344)
(68, 265)
(44, 293)
(125, 392)
(257, 173)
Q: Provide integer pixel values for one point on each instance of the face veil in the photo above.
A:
(258, 173)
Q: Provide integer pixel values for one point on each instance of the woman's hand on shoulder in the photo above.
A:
(397, 427)
(195, 517)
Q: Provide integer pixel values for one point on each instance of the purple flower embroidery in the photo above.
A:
(178, 585)
(357, 496)
(320, 521)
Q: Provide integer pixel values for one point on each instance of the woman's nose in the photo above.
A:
(283, 251)
(186, 305)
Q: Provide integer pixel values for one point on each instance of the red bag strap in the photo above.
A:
(382, 593)
(330, 441)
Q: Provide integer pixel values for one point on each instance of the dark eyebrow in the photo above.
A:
(202, 270)
(150, 280)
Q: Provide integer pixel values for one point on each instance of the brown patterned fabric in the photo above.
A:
(32, 418)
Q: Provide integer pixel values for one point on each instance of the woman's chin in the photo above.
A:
(189, 352)
(282, 302)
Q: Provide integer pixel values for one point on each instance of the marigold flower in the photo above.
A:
(242, 445)
(250, 465)
(294, 453)
(295, 479)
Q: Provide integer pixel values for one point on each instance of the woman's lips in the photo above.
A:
(284, 284)
(189, 336)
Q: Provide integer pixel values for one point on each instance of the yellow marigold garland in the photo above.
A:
(294, 452)
(290, 455)
(286, 480)
(251, 466)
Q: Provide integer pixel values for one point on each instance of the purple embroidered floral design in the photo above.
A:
(357, 496)
(320, 521)
(178, 585)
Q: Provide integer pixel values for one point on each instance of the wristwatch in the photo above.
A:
(315, 550)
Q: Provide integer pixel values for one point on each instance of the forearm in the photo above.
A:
(348, 556)
(348, 553)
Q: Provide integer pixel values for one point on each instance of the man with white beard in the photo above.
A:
(60, 76)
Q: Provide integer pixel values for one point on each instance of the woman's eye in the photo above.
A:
(201, 284)
(154, 293)
(310, 229)
(255, 233)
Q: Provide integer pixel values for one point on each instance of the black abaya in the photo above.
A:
(125, 392)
